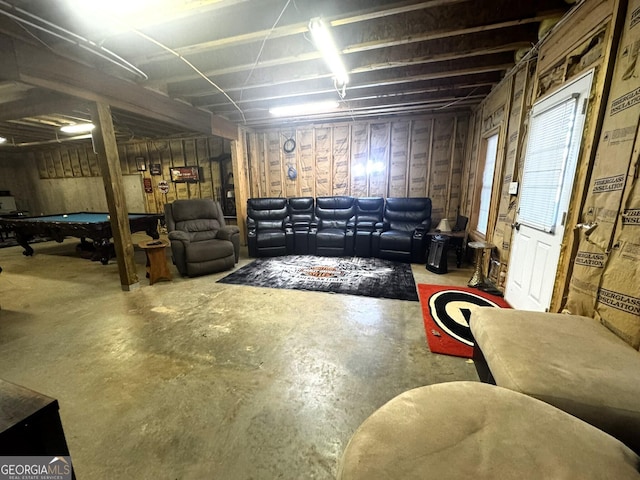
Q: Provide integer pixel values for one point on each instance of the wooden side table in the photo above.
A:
(157, 266)
(478, 279)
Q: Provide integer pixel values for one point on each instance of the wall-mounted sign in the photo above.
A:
(140, 163)
(148, 188)
(163, 186)
(155, 169)
(185, 174)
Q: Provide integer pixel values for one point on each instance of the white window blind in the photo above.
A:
(487, 183)
(548, 149)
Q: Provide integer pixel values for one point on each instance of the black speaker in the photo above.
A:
(437, 260)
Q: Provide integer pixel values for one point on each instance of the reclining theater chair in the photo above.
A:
(266, 234)
(402, 234)
(301, 217)
(332, 233)
(201, 243)
(368, 215)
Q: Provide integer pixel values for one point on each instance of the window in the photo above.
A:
(548, 149)
(486, 186)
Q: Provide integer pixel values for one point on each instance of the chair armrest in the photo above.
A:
(225, 233)
(382, 226)
(179, 236)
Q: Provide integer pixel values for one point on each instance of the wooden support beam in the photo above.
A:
(296, 29)
(104, 142)
(9, 70)
(222, 127)
(42, 68)
(36, 105)
(240, 164)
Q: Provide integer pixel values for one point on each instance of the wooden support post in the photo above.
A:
(104, 142)
(240, 164)
(451, 161)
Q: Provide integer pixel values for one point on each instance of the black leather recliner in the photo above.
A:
(266, 227)
(368, 214)
(301, 216)
(332, 232)
(402, 234)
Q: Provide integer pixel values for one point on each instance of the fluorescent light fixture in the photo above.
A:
(2, 139)
(304, 108)
(78, 128)
(324, 43)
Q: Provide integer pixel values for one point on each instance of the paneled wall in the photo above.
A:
(413, 157)
(66, 177)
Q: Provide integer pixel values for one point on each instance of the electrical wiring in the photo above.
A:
(71, 37)
(264, 41)
(98, 50)
(458, 100)
(192, 66)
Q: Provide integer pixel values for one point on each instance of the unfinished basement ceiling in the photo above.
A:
(406, 57)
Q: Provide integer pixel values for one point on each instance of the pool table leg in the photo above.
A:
(103, 250)
(23, 241)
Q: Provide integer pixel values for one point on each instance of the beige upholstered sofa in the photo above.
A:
(470, 430)
(571, 362)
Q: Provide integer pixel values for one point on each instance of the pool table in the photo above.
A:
(83, 225)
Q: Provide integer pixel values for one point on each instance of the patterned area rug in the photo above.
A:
(446, 311)
(370, 277)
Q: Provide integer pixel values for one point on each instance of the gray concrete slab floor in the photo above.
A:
(192, 379)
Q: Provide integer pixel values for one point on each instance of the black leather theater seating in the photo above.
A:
(339, 226)
(402, 237)
(266, 234)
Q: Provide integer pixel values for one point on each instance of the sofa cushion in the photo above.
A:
(469, 430)
(569, 361)
(331, 237)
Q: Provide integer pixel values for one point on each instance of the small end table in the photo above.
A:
(157, 266)
(478, 279)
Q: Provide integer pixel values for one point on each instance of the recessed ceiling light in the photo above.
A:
(2, 139)
(304, 108)
(78, 128)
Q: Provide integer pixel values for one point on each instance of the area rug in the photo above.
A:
(446, 311)
(370, 277)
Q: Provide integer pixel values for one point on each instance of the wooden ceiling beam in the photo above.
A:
(421, 53)
(360, 47)
(295, 29)
(393, 101)
(41, 68)
(365, 94)
(258, 95)
(260, 120)
(39, 104)
(397, 75)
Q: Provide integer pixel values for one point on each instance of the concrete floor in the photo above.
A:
(191, 379)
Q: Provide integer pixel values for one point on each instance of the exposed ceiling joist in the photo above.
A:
(214, 64)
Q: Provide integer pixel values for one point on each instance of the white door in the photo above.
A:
(555, 131)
